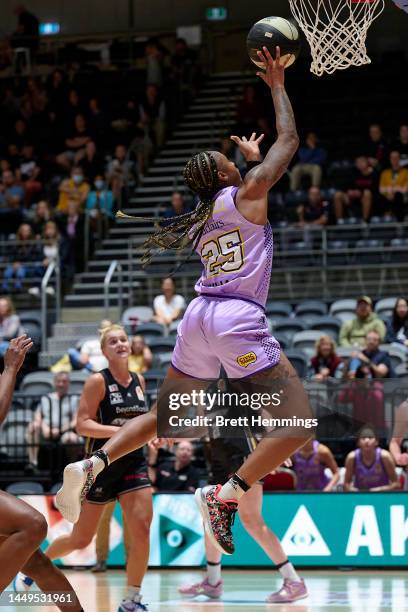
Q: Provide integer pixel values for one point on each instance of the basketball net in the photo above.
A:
(336, 31)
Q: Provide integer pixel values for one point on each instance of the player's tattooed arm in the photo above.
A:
(13, 360)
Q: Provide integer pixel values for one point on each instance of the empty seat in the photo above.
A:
(289, 327)
(299, 362)
(313, 307)
(306, 340)
(25, 488)
(149, 331)
(337, 252)
(173, 327)
(345, 351)
(327, 325)
(283, 340)
(38, 383)
(31, 322)
(385, 307)
(278, 309)
(136, 315)
(13, 440)
(162, 345)
(153, 378)
(369, 251)
(344, 309)
(398, 253)
(396, 353)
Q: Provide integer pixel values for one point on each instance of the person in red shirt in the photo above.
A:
(325, 363)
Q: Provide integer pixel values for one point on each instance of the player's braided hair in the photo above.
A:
(201, 176)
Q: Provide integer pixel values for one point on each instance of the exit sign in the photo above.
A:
(216, 13)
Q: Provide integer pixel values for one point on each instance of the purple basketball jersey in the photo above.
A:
(309, 471)
(236, 254)
(368, 477)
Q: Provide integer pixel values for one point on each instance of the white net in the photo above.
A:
(336, 31)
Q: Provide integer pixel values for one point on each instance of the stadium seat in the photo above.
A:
(345, 351)
(282, 479)
(153, 378)
(313, 307)
(337, 252)
(401, 371)
(78, 379)
(397, 354)
(163, 360)
(385, 307)
(382, 228)
(289, 327)
(162, 345)
(132, 317)
(283, 340)
(327, 325)
(25, 488)
(306, 340)
(149, 330)
(399, 250)
(55, 488)
(307, 319)
(173, 327)
(299, 361)
(343, 309)
(38, 383)
(278, 309)
(31, 322)
(13, 440)
(369, 251)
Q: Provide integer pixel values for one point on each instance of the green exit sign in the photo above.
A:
(216, 13)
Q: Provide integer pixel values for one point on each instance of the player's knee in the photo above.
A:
(141, 526)
(36, 529)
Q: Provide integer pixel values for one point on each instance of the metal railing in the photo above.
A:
(115, 265)
(53, 267)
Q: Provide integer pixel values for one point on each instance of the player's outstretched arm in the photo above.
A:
(260, 179)
(13, 360)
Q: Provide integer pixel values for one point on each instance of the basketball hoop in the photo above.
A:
(336, 31)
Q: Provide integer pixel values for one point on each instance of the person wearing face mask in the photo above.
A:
(74, 188)
(100, 199)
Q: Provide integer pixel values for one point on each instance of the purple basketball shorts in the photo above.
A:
(228, 332)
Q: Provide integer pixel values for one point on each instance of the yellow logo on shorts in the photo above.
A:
(247, 359)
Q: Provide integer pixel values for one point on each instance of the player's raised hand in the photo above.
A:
(17, 351)
(249, 148)
(274, 74)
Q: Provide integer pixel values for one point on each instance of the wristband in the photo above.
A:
(252, 164)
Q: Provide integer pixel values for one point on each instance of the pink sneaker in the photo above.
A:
(202, 588)
(291, 590)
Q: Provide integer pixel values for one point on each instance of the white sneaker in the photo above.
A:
(50, 290)
(35, 291)
(78, 479)
(22, 583)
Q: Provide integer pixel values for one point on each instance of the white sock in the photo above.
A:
(98, 464)
(213, 572)
(133, 593)
(232, 489)
(288, 572)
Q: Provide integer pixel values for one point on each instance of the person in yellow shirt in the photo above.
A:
(394, 187)
(74, 188)
(141, 357)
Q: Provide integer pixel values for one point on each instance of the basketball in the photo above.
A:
(271, 32)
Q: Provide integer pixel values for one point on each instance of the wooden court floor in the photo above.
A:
(245, 590)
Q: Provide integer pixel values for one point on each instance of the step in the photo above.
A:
(65, 330)
(46, 359)
(210, 139)
(61, 345)
(95, 314)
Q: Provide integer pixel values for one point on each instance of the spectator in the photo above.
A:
(90, 356)
(141, 357)
(309, 465)
(27, 34)
(397, 326)
(371, 362)
(394, 187)
(29, 174)
(11, 193)
(370, 468)
(54, 419)
(315, 211)
(325, 363)
(72, 225)
(353, 332)
(401, 145)
(18, 137)
(42, 215)
(169, 306)
(179, 475)
(153, 115)
(50, 251)
(74, 189)
(154, 61)
(10, 326)
(56, 91)
(120, 170)
(311, 159)
(75, 143)
(178, 207)
(250, 113)
(100, 199)
(97, 120)
(360, 194)
(36, 96)
(24, 256)
(184, 71)
(376, 147)
(91, 162)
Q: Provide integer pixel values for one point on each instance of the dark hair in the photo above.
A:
(201, 176)
(396, 320)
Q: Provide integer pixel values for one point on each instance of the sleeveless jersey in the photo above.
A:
(367, 477)
(309, 471)
(236, 254)
(118, 405)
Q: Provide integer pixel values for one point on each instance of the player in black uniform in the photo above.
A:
(108, 400)
(22, 528)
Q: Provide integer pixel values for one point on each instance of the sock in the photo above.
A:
(133, 593)
(100, 461)
(234, 488)
(213, 572)
(287, 571)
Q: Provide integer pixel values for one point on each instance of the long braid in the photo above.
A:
(201, 176)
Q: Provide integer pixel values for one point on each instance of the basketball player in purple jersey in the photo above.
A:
(370, 468)
(309, 464)
(226, 324)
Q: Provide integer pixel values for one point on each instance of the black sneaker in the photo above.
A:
(218, 516)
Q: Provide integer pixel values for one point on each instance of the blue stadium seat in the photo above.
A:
(289, 327)
(280, 309)
(327, 325)
(299, 362)
(25, 488)
(314, 307)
